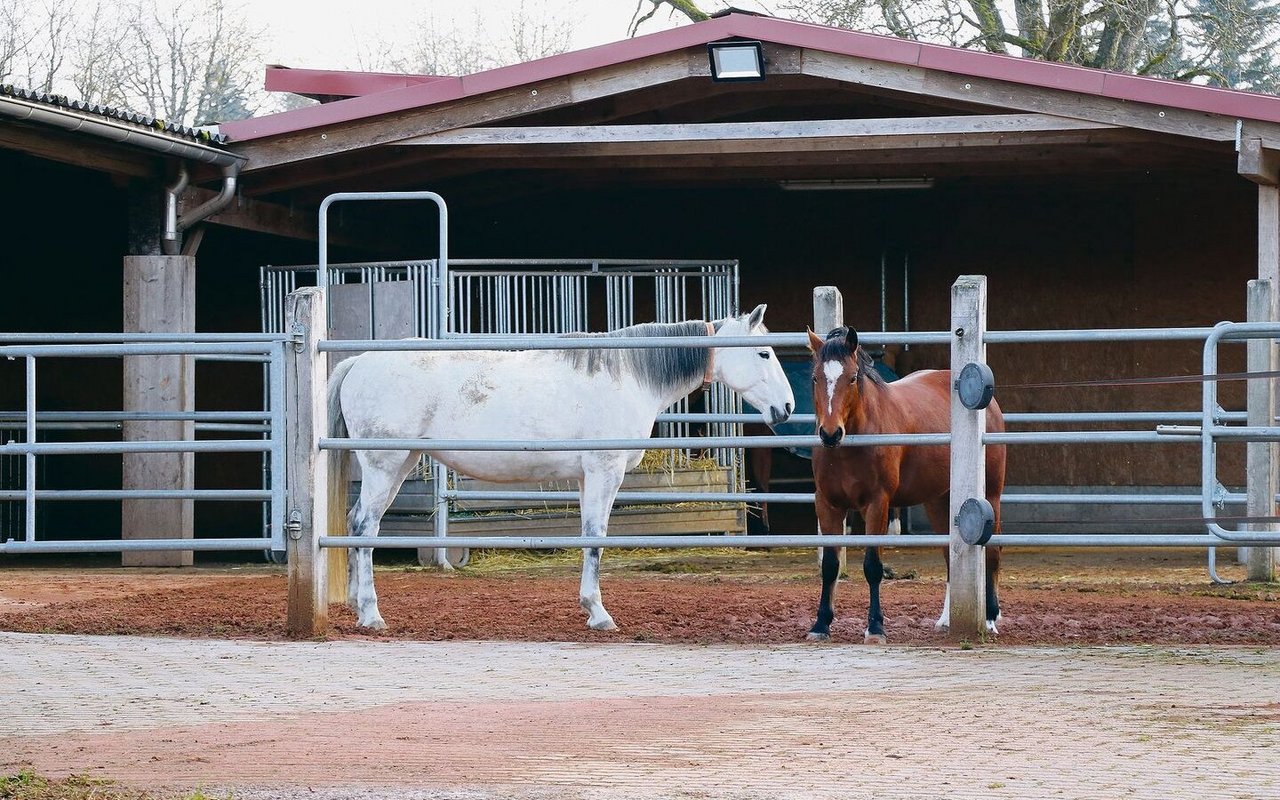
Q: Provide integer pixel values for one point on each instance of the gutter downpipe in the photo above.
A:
(75, 122)
(175, 226)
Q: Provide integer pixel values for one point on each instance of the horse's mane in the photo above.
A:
(836, 347)
(657, 368)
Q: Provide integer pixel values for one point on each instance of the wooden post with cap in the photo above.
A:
(828, 314)
(967, 574)
(307, 508)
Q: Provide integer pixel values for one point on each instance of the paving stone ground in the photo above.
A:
(481, 720)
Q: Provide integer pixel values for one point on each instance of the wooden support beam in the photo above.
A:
(997, 94)
(997, 130)
(1255, 160)
(307, 509)
(494, 106)
(1262, 458)
(967, 570)
(159, 296)
(828, 314)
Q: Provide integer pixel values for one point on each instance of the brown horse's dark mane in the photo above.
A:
(836, 348)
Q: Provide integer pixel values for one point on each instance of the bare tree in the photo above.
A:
(443, 45)
(686, 7)
(35, 38)
(96, 59)
(189, 61)
(1222, 42)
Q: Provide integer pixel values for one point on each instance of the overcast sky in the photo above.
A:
(331, 34)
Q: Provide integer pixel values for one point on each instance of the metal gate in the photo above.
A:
(534, 297)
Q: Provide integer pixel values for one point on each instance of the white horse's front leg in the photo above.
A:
(603, 475)
(381, 474)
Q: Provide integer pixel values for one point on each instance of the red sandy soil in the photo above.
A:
(1048, 598)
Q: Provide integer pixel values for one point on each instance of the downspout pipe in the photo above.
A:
(134, 136)
(175, 226)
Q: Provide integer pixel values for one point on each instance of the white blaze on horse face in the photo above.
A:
(832, 369)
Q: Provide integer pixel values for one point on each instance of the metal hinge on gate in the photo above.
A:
(299, 335)
(1219, 496)
(294, 525)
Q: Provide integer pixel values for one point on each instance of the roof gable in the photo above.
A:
(836, 41)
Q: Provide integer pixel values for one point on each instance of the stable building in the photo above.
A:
(881, 166)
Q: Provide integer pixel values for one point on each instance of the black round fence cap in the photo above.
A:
(976, 521)
(976, 386)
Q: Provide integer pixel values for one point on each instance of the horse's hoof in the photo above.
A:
(991, 628)
(942, 625)
(815, 636)
(606, 624)
(374, 624)
(874, 638)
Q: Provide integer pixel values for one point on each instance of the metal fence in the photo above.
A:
(1213, 495)
(534, 298)
(45, 435)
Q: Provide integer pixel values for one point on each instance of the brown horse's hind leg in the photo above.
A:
(993, 587)
(876, 517)
(993, 572)
(939, 511)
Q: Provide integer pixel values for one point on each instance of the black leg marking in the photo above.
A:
(993, 602)
(873, 569)
(826, 612)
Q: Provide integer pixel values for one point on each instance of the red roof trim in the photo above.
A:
(968, 63)
(340, 83)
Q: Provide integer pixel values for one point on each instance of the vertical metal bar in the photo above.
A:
(276, 409)
(884, 290)
(906, 295)
(31, 457)
(1208, 447)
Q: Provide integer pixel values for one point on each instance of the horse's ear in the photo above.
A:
(815, 343)
(851, 338)
(756, 318)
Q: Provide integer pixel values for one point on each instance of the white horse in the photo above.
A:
(533, 394)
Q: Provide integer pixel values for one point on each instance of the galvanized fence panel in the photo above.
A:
(42, 435)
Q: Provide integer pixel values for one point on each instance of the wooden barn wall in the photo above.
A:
(1068, 255)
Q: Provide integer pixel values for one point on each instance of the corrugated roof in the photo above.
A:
(200, 135)
(1029, 72)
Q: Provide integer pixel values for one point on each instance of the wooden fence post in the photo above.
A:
(828, 314)
(307, 510)
(1263, 469)
(967, 575)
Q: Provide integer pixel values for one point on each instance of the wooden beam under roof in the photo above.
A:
(245, 213)
(383, 129)
(1002, 130)
(934, 83)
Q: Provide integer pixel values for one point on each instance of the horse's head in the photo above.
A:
(839, 368)
(754, 372)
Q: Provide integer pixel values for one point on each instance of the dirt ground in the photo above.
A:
(1049, 597)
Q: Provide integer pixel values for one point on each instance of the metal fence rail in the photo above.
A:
(23, 446)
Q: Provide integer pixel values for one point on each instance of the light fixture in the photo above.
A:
(857, 184)
(736, 61)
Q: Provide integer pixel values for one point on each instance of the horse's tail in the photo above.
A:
(339, 485)
(338, 423)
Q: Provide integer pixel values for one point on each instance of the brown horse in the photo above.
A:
(850, 397)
